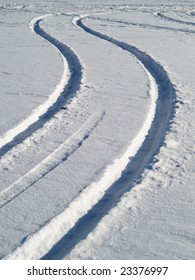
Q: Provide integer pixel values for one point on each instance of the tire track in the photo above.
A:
(67, 88)
(65, 231)
(144, 156)
(162, 16)
(144, 25)
(62, 153)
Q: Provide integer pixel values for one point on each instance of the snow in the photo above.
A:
(24, 58)
(97, 162)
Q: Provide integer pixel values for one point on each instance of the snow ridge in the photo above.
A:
(69, 84)
(52, 161)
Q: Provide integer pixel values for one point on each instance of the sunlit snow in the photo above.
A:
(96, 129)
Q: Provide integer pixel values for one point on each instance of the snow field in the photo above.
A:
(58, 172)
(75, 175)
(155, 220)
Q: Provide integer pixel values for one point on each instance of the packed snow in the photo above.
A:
(96, 130)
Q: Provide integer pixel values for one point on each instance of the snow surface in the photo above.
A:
(97, 133)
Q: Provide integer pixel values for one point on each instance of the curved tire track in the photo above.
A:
(65, 231)
(61, 154)
(149, 26)
(63, 92)
(144, 156)
(162, 16)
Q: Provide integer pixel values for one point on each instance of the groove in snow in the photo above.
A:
(63, 232)
(52, 161)
(67, 87)
(44, 239)
(144, 25)
(162, 16)
(142, 151)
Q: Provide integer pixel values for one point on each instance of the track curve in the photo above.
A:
(145, 155)
(163, 16)
(63, 92)
(145, 25)
(84, 219)
(61, 154)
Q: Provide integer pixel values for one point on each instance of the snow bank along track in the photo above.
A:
(67, 87)
(62, 233)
